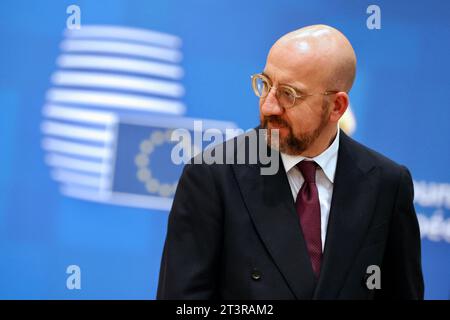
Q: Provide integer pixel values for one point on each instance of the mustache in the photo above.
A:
(275, 120)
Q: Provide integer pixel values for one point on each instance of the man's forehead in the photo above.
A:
(291, 57)
(286, 76)
(312, 57)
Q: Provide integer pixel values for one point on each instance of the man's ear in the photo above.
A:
(339, 106)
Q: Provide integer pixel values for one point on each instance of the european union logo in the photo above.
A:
(115, 99)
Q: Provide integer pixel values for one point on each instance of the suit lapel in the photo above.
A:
(352, 205)
(269, 201)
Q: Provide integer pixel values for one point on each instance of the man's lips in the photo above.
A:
(276, 125)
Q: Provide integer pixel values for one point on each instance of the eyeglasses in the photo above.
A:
(286, 95)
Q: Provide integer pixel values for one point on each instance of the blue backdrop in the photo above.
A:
(87, 183)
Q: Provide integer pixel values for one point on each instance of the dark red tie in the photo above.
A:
(308, 209)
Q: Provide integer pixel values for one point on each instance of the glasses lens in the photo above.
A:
(260, 86)
(286, 96)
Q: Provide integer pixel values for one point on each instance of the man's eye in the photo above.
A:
(287, 93)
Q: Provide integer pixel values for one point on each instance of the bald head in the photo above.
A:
(318, 54)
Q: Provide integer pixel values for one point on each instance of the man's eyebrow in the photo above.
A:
(293, 87)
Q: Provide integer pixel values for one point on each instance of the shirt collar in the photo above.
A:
(327, 160)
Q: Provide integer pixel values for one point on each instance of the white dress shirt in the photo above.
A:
(327, 161)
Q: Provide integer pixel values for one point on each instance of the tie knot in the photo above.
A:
(308, 170)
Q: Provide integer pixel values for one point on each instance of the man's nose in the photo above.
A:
(270, 105)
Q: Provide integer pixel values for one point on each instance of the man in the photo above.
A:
(336, 221)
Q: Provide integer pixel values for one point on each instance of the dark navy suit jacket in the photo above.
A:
(235, 234)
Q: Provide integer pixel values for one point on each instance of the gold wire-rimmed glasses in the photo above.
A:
(286, 95)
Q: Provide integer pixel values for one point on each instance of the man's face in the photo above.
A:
(300, 125)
